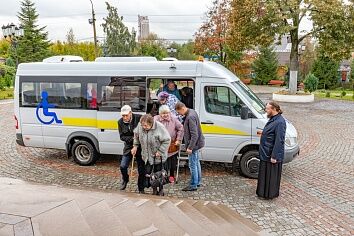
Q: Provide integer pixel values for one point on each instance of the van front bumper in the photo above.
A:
(291, 153)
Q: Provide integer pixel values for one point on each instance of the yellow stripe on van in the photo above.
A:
(107, 124)
(81, 122)
(113, 125)
(214, 129)
(90, 122)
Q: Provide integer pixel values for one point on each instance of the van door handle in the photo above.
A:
(102, 130)
(208, 122)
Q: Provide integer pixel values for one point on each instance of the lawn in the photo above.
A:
(335, 94)
(7, 93)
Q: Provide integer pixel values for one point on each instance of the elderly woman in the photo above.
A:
(168, 99)
(154, 140)
(175, 129)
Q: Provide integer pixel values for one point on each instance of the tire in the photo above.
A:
(84, 153)
(249, 164)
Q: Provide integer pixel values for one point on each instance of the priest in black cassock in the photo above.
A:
(271, 153)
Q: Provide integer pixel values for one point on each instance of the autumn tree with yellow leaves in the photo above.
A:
(258, 23)
(210, 40)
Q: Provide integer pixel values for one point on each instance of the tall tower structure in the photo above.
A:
(144, 28)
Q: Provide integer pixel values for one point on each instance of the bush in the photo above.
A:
(348, 86)
(328, 95)
(311, 83)
(10, 62)
(7, 76)
(343, 93)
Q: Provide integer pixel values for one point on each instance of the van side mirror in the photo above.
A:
(244, 113)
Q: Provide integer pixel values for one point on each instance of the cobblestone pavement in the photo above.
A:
(317, 189)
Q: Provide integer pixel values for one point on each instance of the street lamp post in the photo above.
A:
(12, 33)
(93, 22)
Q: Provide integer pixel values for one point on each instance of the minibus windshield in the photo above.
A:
(250, 96)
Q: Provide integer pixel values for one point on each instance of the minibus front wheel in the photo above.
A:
(84, 153)
(249, 164)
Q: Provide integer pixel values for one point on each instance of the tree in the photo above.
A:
(210, 40)
(33, 46)
(254, 23)
(70, 37)
(265, 66)
(326, 70)
(86, 50)
(119, 41)
(186, 51)
(4, 48)
(152, 46)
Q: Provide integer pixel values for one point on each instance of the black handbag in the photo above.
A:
(158, 178)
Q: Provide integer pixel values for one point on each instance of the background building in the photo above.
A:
(144, 28)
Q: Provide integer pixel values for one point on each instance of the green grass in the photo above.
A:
(7, 93)
(335, 94)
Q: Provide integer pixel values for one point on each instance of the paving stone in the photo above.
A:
(317, 188)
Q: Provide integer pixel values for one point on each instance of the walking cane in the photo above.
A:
(131, 170)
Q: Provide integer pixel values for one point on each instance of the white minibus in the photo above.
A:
(75, 106)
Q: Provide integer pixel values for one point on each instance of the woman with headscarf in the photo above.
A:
(168, 99)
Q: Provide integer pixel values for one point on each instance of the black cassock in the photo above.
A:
(271, 146)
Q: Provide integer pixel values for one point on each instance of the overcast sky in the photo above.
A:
(178, 19)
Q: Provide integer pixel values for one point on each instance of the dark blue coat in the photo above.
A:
(174, 92)
(272, 139)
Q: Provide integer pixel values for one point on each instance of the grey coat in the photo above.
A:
(157, 139)
(193, 136)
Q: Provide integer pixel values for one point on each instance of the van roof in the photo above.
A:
(124, 59)
(150, 69)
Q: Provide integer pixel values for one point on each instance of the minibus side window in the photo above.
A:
(72, 95)
(221, 101)
(124, 91)
(61, 95)
(30, 94)
(91, 95)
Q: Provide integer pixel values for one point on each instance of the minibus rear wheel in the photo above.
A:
(249, 164)
(84, 153)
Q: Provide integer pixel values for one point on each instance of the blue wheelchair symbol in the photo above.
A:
(45, 106)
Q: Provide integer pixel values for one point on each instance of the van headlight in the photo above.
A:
(290, 141)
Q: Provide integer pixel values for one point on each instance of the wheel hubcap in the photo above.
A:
(82, 153)
(253, 165)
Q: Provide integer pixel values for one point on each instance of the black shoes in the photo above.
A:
(123, 185)
(189, 188)
(141, 192)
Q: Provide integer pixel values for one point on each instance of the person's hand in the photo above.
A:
(158, 155)
(189, 151)
(272, 160)
(133, 151)
(177, 143)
